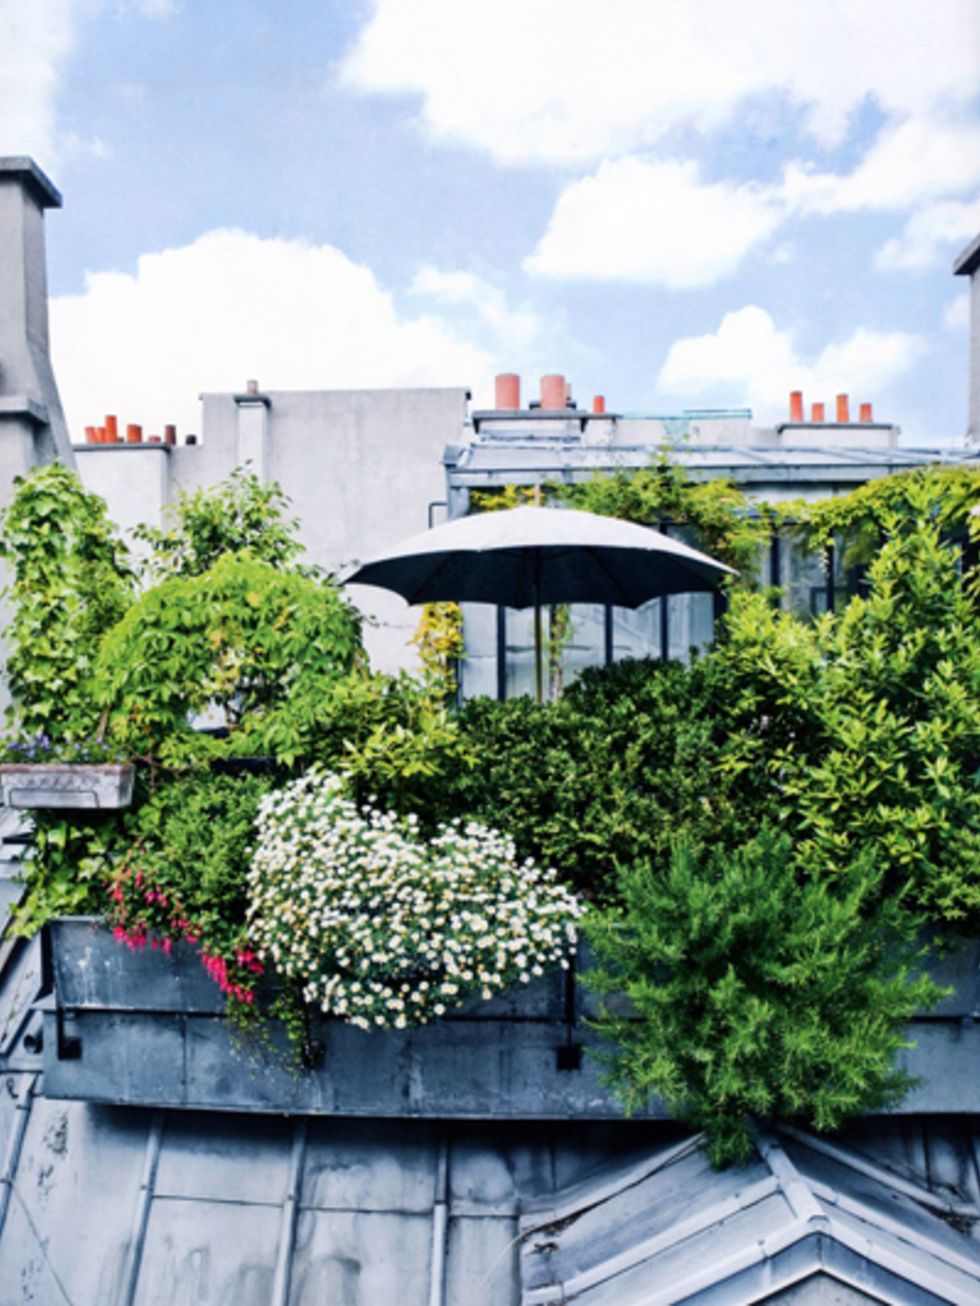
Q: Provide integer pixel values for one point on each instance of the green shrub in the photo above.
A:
(756, 992)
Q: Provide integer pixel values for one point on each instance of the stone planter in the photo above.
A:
(103, 786)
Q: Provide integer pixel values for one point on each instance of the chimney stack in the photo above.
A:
(27, 382)
(968, 265)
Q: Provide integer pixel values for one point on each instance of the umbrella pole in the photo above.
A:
(538, 660)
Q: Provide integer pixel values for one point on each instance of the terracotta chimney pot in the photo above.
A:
(843, 409)
(91, 435)
(818, 412)
(796, 406)
(865, 413)
(599, 404)
(170, 434)
(111, 430)
(554, 394)
(507, 391)
(134, 434)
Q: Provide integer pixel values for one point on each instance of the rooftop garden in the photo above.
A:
(757, 846)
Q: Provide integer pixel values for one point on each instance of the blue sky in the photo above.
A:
(673, 202)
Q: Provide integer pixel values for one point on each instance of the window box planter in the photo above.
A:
(143, 1029)
(81, 785)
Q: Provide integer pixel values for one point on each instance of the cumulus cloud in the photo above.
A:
(636, 220)
(750, 360)
(577, 80)
(35, 41)
(911, 161)
(932, 232)
(232, 305)
(484, 304)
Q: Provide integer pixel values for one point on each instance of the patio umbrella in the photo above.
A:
(526, 557)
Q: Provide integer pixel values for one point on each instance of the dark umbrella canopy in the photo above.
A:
(525, 557)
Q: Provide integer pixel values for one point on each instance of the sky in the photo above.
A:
(674, 203)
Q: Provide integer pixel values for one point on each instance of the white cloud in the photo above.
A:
(206, 316)
(932, 232)
(576, 80)
(35, 40)
(956, 316)
(636, 220)
(749, 360)
(915, 160)
(518, 329)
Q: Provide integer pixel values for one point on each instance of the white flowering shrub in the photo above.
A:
(386, 928)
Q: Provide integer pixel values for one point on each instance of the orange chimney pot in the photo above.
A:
(554, 394)
(796, 406)
(507, 391)
(865, 413)
(843, 409)
(818, 412)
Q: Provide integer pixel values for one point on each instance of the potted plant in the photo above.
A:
(88, 776)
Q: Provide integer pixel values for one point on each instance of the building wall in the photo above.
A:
(361, 468)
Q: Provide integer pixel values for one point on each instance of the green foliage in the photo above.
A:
(242, 637)
(183, 874)
(598, 777)
(242, 513)
(69, 862)
(899, 707)
(392, 737)
(722, 520)
(755, 992)
(70, 582)
(858, 522)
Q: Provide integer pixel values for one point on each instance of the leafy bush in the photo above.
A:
(242, 637)
(386, 928)
(242, 514)
(756, 992)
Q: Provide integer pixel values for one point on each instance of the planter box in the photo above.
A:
(142, 1029)
(87, 785)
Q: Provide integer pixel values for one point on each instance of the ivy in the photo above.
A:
(70, 582)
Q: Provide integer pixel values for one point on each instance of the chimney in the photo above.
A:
(31, 406)
(507, 391)
(796, 406)
(170, 434)
(554, 395)
(968, 265)
(865, 414)
(843, 409)
(818, 412)
(599, 404)
(91, 435)
(253, 430)
(111, 430)
(134, 434)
